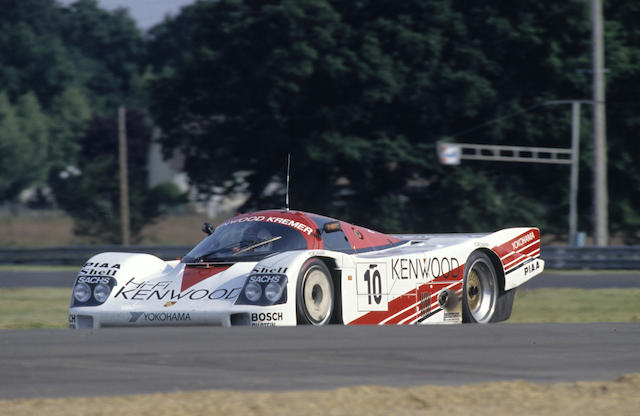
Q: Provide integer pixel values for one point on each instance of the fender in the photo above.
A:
(518, 250)
(123, 266)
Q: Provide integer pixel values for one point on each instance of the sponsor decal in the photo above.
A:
(266, 318)
(315, 253)
(93, 280)
(254, 218)
(133, 290)
(170, 303)
(427, 269)
(159, 316)
(100, 269)
(291, 223)
(278, 220)
(451, 316)
(272, 270)
(265, 278)
(520, 250)
(523, 241)
(531, 267)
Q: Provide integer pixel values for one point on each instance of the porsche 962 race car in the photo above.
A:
(283, 267)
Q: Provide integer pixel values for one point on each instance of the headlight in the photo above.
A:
(82, 292)
(92, 290)
(263, 290)
(272, 292)
(253, 291)
(101, 292)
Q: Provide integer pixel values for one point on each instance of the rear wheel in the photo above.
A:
(480, 289)
(314, 294)
(504, 306)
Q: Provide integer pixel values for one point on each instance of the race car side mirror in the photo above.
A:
(331, 227)
(208, 228)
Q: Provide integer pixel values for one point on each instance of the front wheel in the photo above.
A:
(314, 294)
(480, 289)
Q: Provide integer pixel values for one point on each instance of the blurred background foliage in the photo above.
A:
(357, 91)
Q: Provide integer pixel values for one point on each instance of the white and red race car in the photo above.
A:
(283, 267)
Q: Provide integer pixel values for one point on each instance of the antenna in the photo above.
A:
(286, 201)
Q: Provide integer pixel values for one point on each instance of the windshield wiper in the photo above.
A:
(256, 245)
(225, 247)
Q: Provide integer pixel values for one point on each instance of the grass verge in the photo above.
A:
(576, 305)
(42, 307)
(22, 308)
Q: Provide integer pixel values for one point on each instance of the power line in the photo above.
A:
(496, 120)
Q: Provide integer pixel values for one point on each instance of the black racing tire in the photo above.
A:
(315, 296)
(504, 306)
(480, 289)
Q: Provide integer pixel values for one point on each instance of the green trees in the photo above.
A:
(358, 92)
(108, 53)
(622, 61)
(64, 71)
(23, 136)
(89, 190)
(271, 78)
(70, 114)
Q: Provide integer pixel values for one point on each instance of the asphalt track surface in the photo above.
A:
(114, 361)
(575, 279)
(59, 363)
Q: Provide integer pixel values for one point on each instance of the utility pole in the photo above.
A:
(575, 162)
(124, 183)
(600, 198)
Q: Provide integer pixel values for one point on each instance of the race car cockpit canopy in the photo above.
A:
(246, 241)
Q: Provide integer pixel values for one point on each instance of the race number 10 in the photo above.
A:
(374, 285)
(371, 286)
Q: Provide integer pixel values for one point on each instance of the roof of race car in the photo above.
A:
(359, 238)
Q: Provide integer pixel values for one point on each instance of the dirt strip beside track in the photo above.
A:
(620, 396)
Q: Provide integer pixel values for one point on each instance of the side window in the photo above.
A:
(333, 241)
(336, 241)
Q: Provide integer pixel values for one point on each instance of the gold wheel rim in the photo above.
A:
(474, 291)
(481, 291)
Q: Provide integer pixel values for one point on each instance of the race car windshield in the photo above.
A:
(248, 241)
